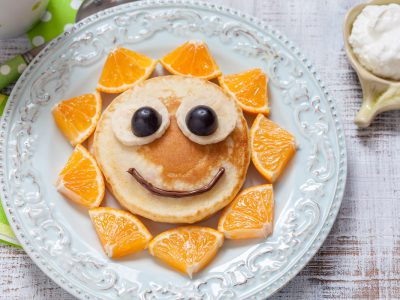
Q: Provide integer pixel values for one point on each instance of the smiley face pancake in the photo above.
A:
(173, 149)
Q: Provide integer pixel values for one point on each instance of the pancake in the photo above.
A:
(173, 161)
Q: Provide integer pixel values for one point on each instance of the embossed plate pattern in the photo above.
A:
(58, 235)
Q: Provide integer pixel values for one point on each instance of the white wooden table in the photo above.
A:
(361, 257)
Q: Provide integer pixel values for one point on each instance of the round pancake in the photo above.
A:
(173, 161)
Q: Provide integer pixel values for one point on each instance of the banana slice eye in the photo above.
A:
(206, 121)
(141, 123)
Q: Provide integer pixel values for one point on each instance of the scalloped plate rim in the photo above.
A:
(260, 25)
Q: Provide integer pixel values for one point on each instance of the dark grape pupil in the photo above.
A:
(202, 120)
(145, 121)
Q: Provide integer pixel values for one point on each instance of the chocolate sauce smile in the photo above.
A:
(175, 194)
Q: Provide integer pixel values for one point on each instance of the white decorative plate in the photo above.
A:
(58, 235)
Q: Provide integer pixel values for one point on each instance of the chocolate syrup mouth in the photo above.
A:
(176, 194)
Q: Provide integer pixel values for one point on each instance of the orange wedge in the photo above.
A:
(123, 69)
(250, 215)
(193, 58)
(187, 249)
(77, 117)
(81, 180)
(249, 88)
(120, 232)
(271, 147)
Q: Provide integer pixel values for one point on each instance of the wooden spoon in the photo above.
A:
(379, 94)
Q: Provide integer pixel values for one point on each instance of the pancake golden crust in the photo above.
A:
(173, 161)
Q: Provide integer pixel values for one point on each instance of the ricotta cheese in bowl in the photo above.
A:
(375, 39)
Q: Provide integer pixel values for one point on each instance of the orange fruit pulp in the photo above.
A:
(81, 179)
(119, 232)
(193, 58)
(249, 89)
(250, 215)
(77, 117)
(271, 147)
(187, 249)
(123, 69)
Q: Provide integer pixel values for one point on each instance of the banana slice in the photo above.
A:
(225, 109)
(122, 117)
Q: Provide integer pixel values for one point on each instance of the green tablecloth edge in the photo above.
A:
(7, 236)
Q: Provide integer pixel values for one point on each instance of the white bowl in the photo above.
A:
(18, 16)
(379, 94)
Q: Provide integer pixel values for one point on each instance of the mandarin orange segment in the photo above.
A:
(249, 89)
(271, 147)
(193, 58)
(123, 69)
(77, 117)
(81, 179)
(250, 215)
(187, 249)
(119, 232)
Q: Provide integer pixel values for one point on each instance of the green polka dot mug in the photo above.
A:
(18, 16)
(59, 15)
